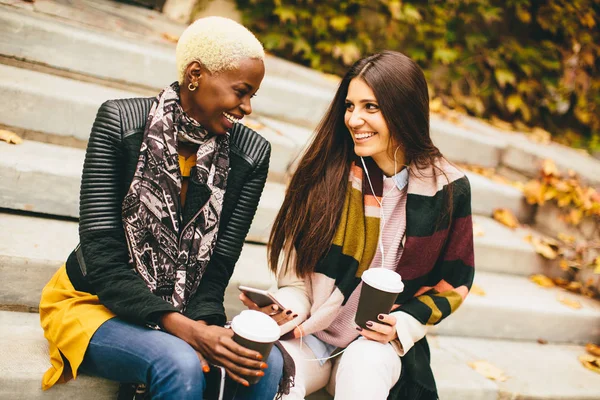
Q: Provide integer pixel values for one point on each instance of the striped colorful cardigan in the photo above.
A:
(437, 268)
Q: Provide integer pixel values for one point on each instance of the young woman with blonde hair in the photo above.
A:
(170, 186)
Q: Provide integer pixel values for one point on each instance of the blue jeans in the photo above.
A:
(124, 352)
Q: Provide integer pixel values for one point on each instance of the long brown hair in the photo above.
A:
(313, 203)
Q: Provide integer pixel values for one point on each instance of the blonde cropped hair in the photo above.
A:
(218, 44)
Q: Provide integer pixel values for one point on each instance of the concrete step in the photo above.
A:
(45, 178)
(33, 248)
(515, 308)
(57, 43)
(52, 104)
(525, 156)
(453, 140)
(487, 195)
(533, 371)
(512, 307)
(504, 250)
(67, 108)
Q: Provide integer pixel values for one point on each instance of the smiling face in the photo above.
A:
(223, 98)
(368, 128)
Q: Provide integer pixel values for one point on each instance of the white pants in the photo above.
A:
(366, 370)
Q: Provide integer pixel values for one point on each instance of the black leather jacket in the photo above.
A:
(99, 265)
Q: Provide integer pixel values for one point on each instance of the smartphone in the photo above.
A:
(262, 298)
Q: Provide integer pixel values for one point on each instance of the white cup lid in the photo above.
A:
(383, 279)
(256, 326)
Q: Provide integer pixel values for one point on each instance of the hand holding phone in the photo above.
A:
(265, 302)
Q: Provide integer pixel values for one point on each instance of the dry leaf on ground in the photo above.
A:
(539, 135)
(477, 290)
(593, 349)
(436, 105)
(170, 37)
(488, 370)
(506, 217)
(10, 137)
(477, 230)
(542, 280)
(590, 362)
(544, 246)
(574, 304)
(549, 168)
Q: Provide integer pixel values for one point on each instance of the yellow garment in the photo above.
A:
(70, 317)
(186, 164)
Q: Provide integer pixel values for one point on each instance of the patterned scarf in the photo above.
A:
(169, 257)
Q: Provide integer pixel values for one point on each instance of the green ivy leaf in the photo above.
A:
(504, 76)
(411, 13)
(285, 14)
(445, 55)
(340, 22)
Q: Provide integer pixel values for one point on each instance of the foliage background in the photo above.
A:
(533, 63)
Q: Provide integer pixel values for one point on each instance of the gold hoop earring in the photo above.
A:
(192, 86)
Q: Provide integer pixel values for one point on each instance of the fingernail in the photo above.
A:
(380, 316)
(259, 357)
(369, 324)
(288, 312)
(274, 307)
(263, 366)
(294, 316)
(260, 373)
(206, 368)
(245, 384)
(358, 328)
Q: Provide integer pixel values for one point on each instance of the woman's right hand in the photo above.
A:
(272, 310)
(217, 346)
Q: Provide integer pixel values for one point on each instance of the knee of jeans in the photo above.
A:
(181, 368)
(275, 362)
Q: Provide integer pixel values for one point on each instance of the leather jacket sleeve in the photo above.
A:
(207, 303)
(102, 239)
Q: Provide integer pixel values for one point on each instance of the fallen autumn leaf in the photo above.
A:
(506, 217)
(477, 290)
(10, 137)
(488, 370)
(593, 349)
(542, 280)
(590, 362)
(170, 37)
(574, 304)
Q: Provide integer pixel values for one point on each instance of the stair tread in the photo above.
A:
(533, 371)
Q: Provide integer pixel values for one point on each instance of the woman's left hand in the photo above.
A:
(382, 331)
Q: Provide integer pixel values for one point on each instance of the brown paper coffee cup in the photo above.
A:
(256, 331)
(380, 288)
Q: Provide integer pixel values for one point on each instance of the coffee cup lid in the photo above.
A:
(256, 326)
(383, 279)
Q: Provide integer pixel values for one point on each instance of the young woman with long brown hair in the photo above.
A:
(371, 191)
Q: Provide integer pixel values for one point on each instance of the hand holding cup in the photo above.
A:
(383, 331)
(255, 332)
(380, 288)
